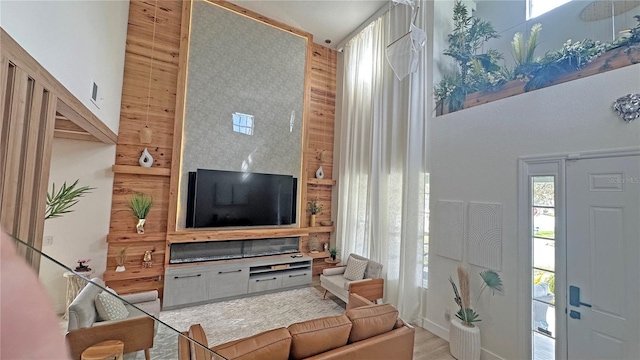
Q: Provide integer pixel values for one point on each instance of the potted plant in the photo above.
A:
(314, 208)
(333, 253)
(464, 336)
(140, 204)
(121, 258)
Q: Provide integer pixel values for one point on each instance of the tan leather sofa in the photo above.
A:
(367, 332)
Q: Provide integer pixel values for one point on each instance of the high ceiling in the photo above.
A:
(325, 19)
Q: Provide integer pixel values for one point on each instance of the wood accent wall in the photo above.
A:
(163, 120)
(30, 98)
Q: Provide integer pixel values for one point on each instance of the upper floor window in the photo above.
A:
(536, 8)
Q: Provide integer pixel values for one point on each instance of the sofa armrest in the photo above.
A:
(139, 297)
(371, 289)
(356, 301)
(136, 334)
(334, 271)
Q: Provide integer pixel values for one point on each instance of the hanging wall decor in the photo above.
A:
(146, 160)
(628, 107)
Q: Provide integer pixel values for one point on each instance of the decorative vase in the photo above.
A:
(140, 226)
(312, 221)
(320, 173)
(146, 160)
(120, 268)
(464, 341)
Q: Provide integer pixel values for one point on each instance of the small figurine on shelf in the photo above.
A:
(147, 261)
(82, 265)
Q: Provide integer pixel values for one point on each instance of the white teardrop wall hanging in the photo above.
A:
(146, 160)
(320, 173)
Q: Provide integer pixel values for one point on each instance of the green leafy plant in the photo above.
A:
(523, 53)
(477, 71)
(140, 204)
(333, 253)
(314, 207)
(491, 280)
(572, 57)
(61, 201)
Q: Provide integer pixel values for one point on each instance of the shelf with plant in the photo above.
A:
(478, 74)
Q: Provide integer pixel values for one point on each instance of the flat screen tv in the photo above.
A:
(218, 198)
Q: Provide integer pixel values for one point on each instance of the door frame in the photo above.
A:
(553, 164)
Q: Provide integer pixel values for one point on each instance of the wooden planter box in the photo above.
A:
(611, 60)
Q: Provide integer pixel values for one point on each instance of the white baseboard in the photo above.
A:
(435, 328)
(444, 334)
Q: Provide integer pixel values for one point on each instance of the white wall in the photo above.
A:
(77, 42)
(83, 232)
(474, 153)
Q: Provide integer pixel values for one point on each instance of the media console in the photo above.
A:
(199, 283)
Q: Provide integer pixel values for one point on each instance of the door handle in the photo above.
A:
(574, 297)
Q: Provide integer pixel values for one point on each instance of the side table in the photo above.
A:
(106, 350)
(75, 284)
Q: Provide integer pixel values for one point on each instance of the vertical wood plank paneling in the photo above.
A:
(29, 156)
(166, 111)
(148, 98)
(13, 154)
(43, 164)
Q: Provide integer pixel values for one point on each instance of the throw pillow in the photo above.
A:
(110, 307)
(355, 269)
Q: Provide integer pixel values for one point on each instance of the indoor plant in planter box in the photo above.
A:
(140, 204)
(464, 336)
(314, 209)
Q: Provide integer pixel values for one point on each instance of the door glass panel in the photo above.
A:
(543, 191)
(544, 254)
(543, 227)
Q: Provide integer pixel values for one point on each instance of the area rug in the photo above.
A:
(233, 319)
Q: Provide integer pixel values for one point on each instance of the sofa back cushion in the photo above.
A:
(371, 320)
(373, 270)
(273, 344)
(110, 307)
(316, 336)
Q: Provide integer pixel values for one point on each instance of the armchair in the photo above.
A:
(371, 287)
(136, 331)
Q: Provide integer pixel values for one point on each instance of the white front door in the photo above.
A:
(603, 258)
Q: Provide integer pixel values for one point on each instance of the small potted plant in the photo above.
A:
(314, 208)
(82, 265)
(333, 253)
(121, 258)
(140, 204)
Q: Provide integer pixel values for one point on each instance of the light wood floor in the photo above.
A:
(426, 345)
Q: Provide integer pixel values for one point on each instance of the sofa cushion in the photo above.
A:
(371, 320)
(316, 336)
(272, 344)
(355, 269)
(109, 307)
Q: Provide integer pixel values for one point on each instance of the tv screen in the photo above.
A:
(219, 198)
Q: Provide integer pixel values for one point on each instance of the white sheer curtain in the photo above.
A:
(381, 169)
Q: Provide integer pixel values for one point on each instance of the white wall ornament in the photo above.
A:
(485, 235)
(449, 229)
(146, 160)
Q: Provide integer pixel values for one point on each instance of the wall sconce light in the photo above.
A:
(628, 107)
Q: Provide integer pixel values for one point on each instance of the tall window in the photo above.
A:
(543, 220)
(425, 254)
(536, 8)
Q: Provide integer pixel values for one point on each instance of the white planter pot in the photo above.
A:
(464, 341)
